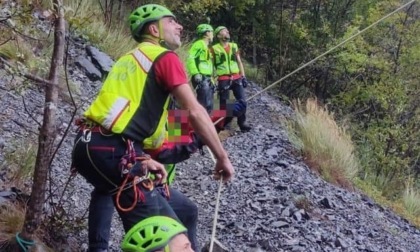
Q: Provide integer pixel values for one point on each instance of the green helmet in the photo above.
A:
(203, 28)
(151, 234)
(145, 14)
(218, 29)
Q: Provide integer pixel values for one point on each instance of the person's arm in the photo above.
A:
(204, 127)
(170, 72)
(199, 120)
(241, 66)
(193, 53)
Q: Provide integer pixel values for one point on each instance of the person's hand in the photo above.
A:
(244, 82)
(198, 78)
(155, 168)
(224, 168)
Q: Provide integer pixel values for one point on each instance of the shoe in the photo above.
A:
(245, 128)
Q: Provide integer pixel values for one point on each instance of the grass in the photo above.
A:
(302, 202)
(399, 206)
(87, 18)
(411, 199)
(19, 161)
(12, 217)
(253, 73)
(19, 52)
(11, 221)
(327, 147)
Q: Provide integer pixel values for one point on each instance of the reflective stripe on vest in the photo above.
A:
(143, 61)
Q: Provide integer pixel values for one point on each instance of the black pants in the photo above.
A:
(102, 154)
(205, 92)
(238, 90)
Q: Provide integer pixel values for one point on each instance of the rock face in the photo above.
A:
(275, 203)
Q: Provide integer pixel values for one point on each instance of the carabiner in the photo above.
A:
(86, 136)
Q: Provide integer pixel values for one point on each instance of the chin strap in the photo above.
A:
(160, 40)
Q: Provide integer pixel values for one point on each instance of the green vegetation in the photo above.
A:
(19, 161)
(328, 150)
(327, 147)
(89, 20)
(371, 83)
(411, 199)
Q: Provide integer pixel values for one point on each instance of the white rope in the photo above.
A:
(332, 49)
(216, 211)
(213, 233)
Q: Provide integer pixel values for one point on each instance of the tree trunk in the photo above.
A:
(47, 132)
(254, 44)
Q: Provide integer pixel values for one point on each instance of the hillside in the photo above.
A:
(276, 203)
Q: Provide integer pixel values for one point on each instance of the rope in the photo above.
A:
(24, 244)
(325, 53)
(332, 49)
(277, 82)
(216, 211)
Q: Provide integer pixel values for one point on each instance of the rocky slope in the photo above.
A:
(275, 203)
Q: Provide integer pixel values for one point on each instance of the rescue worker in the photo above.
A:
(200, 66)
(230, 76)
(129, 116)
(157, 234)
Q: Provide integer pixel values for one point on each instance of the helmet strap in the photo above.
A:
(149, 38)
(162, 41)
(166, 248)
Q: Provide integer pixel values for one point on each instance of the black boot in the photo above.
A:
(245, 128)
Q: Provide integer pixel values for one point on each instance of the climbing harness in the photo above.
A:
(126, 171)
(132, 167)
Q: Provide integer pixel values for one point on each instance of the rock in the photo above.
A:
(101, 60)
(217, 247)
(90, 70)
(256, 209)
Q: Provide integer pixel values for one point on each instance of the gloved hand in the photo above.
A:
(244, 82)
(198, 78)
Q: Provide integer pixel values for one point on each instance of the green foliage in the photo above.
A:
(253, 73)
(379, 97)
(87, 20)
(326, 146)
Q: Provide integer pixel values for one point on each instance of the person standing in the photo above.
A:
(200, 66)
(129, 116)
(230, 76)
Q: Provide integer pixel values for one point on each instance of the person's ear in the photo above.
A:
(154, 29)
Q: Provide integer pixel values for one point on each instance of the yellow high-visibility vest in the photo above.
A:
(130, 101)
(225, 63)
